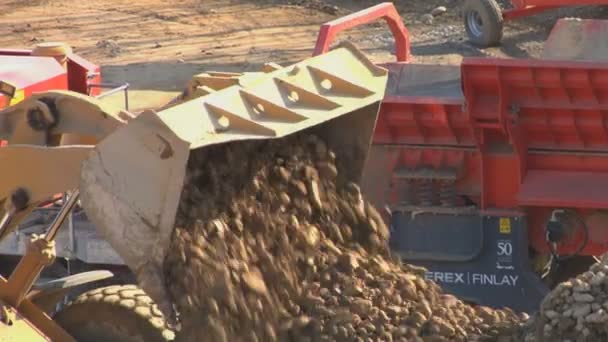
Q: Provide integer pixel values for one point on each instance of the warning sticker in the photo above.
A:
(504, 225)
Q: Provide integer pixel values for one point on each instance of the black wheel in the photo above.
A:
(121, 313)
(483, 22)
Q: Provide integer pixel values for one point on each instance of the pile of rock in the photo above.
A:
(577, 310)
(273, 242)
(354, 296)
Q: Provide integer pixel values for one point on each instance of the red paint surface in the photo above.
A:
(27, 72)
(385, 11)
(529, 136)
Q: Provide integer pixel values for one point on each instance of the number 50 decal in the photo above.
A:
(505, 248)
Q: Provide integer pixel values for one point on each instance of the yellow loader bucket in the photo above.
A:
(132, 181)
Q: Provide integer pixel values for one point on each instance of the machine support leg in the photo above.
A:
(6, 220)
(40, 253)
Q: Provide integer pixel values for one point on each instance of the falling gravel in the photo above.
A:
(273, 242)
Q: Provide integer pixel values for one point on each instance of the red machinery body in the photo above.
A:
(550, 117)
(524, 135)
(487, 166)
(31, 74)
(34, 73)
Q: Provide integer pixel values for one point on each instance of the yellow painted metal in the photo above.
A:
(290, 99)
(79, 114)
(30, 323)
(132, 182)
(19, 96)
(37, 164)
(209, 82)
(40, 252)
(41, 171)
(20, 329)
(20, 319)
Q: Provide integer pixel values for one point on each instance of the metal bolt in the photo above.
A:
(515, 110)
(40, 118)
(19, 199)
(223, 124)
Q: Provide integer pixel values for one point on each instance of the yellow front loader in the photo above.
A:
(131, 179)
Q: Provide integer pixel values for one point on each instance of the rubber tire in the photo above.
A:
(121, 313)
(492, 22)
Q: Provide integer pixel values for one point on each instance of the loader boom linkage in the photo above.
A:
(37, 131)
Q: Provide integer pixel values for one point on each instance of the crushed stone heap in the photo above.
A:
(274, 243)
(577, 310)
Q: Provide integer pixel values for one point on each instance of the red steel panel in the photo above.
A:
(521, 9)
(15, 52)
(579, 162)
(499, 181)
(79, 70)
(564, 189)
(415, 121)
(386, 11)
(556, 3)
(26, 71)
(555, 105)
(383, 184)
(59, 82)
(531, 136)
(423, 105)
(550, 119)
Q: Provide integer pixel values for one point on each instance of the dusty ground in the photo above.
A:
(158, 45)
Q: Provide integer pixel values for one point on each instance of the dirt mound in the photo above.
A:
(577, 310)
(110, 46)
(318, 5)
(281, 247)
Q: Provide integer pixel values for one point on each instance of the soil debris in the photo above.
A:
(318, 5)
(284, 247)
(110, 46)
